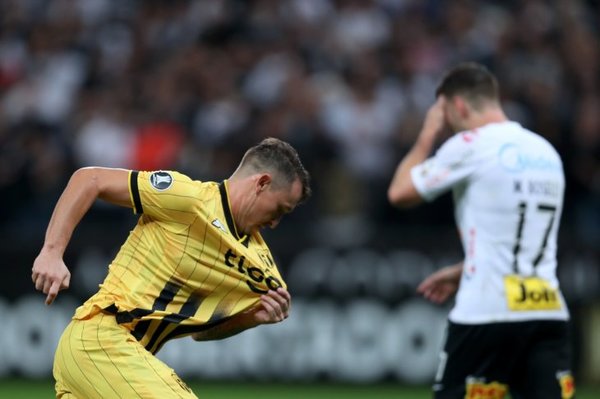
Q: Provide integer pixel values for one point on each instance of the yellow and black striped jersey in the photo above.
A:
(184, 267)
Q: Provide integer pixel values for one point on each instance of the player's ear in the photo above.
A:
(263, 182)
(461, 106)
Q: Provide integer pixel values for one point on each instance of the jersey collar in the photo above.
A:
(229, 216)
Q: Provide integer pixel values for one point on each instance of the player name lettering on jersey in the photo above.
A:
(256, 275)
(544, 187)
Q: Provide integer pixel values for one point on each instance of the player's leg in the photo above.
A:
(474, 363)
(548, 365)
(97, 358)
(71, 381)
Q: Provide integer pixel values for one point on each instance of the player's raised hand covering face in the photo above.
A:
(435, 120)
(50, 275)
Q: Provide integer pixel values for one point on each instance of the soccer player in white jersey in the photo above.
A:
(508, 330)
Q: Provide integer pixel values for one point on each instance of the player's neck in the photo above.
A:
(487, 116)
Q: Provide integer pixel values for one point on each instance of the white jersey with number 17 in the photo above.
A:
(508, 187)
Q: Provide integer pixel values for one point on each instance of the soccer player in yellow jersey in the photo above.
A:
(194, 265)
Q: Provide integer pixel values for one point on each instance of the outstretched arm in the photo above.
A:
(274, 307)
(49, 272)
(402, 192)
(439, 286)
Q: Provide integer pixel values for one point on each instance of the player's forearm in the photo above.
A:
(229, 328)
(401, 191)
(416, 155)
(455, 271)
(74, 202)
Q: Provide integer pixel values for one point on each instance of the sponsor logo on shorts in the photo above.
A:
(161, 180)
(567, 384)
(477, 388)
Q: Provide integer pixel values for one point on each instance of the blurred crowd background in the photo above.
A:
(190, 85)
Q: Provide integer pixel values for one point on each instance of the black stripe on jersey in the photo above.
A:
(166, 295)
(127, 316)
(227, 211)
(160, 303)
(140, 329)
(188, 309)
(135, 192)
(187, 330)
(151, 345)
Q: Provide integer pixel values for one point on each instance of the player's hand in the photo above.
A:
(50, 275)
(274, 307)
(435, 119)
(442, 284)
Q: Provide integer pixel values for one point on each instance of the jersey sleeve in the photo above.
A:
(452, 164)
(164, 195)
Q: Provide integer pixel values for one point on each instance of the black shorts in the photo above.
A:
(529, 359)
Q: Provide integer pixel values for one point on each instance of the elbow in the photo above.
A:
(88, 179)
(85, 173)
(403, 197)
(394, 196)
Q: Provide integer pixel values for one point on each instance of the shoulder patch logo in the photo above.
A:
(161, 180)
